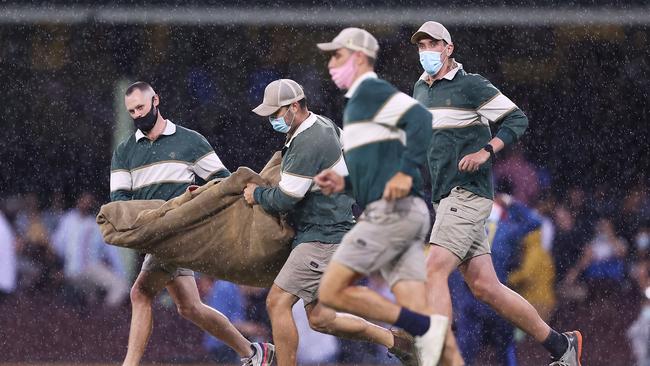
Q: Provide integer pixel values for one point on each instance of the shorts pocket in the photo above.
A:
(455, 230)
(462, 213)
(314, 264)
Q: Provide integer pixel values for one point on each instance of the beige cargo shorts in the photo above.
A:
(152, 264)
(302, 272)
(389, 237)
(460, 224)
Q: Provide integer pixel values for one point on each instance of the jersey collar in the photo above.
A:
(449, 75)
(360, 79)
(303, 126)
(170, 129)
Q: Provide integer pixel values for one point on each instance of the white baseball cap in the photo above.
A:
(278, 94)
(356, 39)
(433, 30)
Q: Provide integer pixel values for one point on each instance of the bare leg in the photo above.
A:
(325, 320)
(440, 264)
(407, 295)
(451, 353)
(144, 290)
(338, 293)
(186, 296)
(482, 280)
(285, 334)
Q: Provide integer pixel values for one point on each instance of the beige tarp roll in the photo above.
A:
(211, 230)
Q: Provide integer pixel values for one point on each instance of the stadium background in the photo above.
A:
(578, 69)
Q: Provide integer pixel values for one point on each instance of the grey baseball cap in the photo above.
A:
(433, 30)
(356, 39)
(278, 94)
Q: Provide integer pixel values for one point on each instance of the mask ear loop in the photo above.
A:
(294, 116)
(448, 54)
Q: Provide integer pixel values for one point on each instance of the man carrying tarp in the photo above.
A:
(160, 161)
(320, 221)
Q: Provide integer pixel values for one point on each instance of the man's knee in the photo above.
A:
(319, 321)
(440, 263)
(278, 300)
(272, 301)
(140, 295)
(189, 310)
(484, 289)
(147, 286)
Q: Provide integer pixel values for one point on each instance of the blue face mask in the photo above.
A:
(431, 62)
(279, 124)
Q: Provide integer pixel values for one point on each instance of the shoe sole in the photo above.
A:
(269, 352)
(579, 336)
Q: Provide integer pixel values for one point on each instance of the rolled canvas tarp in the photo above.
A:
(211, 230)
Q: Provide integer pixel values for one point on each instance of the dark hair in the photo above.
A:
(303, 103)
(140, 85)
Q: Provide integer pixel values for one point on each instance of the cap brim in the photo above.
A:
(265, 110)
(329, 46)
(419, 35)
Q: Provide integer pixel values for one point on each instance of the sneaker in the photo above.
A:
(573, 354)
(263, 356)
(429, 345)
(404, 348)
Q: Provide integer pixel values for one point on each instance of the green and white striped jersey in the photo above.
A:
(462, 106)
(384, 132)
(142, 169)
(313, 147)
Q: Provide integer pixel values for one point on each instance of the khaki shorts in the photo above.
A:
(152, 264)
(302, 272)
(460, 224)
(388, 237)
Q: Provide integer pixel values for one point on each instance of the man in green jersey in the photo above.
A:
(385, 136)
(160, 161)
(460, 160)
(312, 145)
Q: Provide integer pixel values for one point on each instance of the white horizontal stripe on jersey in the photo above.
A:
(497, 107)
(120, 179)
(162, 172)
(294, 185)
(394, 108)
(364, 133)
(208, 165)
(454, 118)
